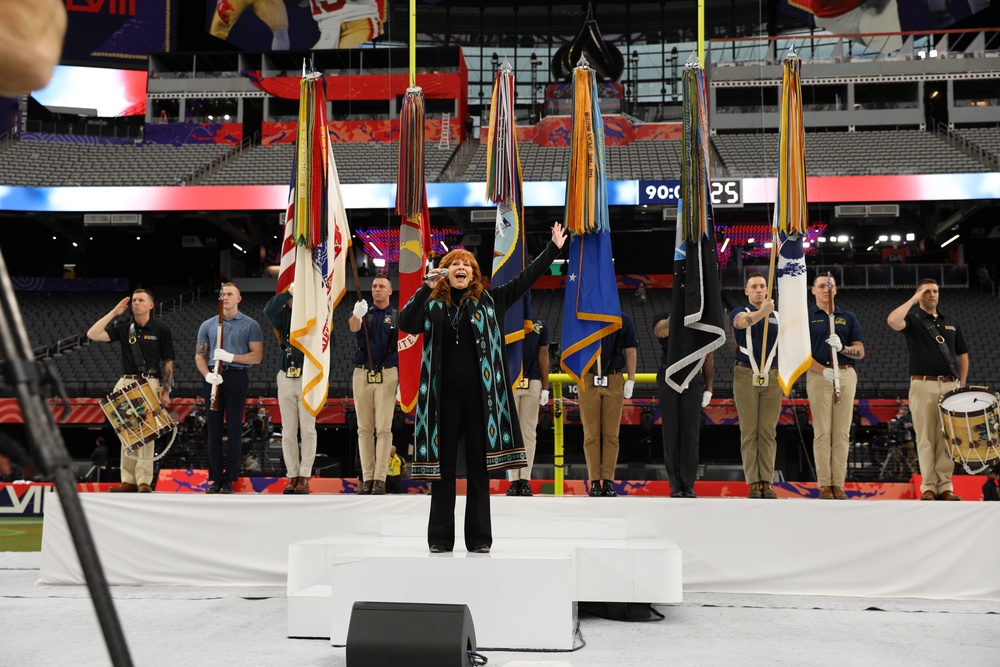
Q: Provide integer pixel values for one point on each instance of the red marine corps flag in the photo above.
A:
(414, 235)
(316, 242)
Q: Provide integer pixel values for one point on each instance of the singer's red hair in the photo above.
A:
(442, 291)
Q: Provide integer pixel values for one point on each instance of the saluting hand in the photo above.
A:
(123, 306)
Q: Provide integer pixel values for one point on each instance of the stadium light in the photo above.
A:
(749, 240)
(767, 244)
(953, 238)
(725, 244)
(883, 238)
(821, 239)
(895, 238)
(378, 262)
(238, 247)
(870, 248)
(911, 237)
(843, 239)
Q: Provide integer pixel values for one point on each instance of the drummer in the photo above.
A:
(147, 352)
(939, 363)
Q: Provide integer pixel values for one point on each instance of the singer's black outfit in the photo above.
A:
(465, 404)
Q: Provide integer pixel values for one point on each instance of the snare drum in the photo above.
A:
(971, 420)
(136, 416)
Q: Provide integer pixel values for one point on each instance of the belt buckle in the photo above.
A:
(760, 380)
(293, 372)
(523, 384)
(374, 377)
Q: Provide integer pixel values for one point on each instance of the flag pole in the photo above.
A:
(364, 320)
(833, 331)
(413, 43)
(770, 292)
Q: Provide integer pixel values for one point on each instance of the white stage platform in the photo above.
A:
(888, 548)
(557, 562)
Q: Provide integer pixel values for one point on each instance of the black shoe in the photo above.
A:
(515, 488)
(690, 494)
(609, 489)
(595, 488)
(214, 488)
(526, 488)
(677, 494)
(480, 549)
(439, 549)
(227, 487)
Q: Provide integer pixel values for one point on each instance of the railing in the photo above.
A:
(968, 146)
(218, 163)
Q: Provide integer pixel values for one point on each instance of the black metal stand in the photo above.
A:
(26, 376)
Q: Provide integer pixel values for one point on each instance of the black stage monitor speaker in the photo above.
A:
(411, 634)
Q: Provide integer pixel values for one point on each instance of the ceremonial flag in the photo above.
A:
(591, 310)
(414, 236)
(791, 216)
(696, 320)
(315, 244)
(503, 187)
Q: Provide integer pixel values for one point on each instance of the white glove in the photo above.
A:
(834, 342)
(706, 398)
(213, 378)
(831, 374)
(223, 356)
(399, 396)
(627, 389)
(543, 398)
(360, 309)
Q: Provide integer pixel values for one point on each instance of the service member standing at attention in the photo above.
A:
(601, 405)
(755, 387)
(832, 414)
(939, 363)
(243, 346)
(529, 396)
(376, 378)
(145, 343)
(296, 421)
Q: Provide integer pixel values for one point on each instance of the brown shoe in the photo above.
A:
(755, 491)
(293, 483)
(928, 495)
(826, 493)
(366, 487)
(839, 493)
(145, 488)
(303, 486)
(767, 491)
(948, 495)
(124, 487)
(378, 488)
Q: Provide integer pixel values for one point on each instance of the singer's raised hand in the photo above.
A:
(434, 277)
(558, 234)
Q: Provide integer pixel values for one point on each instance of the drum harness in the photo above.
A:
(949, 356)
(140, 364)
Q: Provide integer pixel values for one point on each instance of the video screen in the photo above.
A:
(111, 92)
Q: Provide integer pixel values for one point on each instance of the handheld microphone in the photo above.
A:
(437, 273)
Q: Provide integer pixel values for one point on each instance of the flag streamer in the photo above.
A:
(503, 187)
(697, 317)
(414, 235)
(410, 184)
(315, 244)
(592, 309)
(791, 220)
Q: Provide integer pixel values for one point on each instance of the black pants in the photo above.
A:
(462, 422)
(681, 418)
(232, 399)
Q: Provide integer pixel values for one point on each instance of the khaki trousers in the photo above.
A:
(601, 415)
(758, 409)
(132, 471)
(933, 454)
(374, 405)
(831, 424)
(295, 422)
(526, 404)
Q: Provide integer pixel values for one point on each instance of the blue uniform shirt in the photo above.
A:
(846, 326)
(534, 339)
(757, 336)
(237, 334)
(383, 334)
(613, 348)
